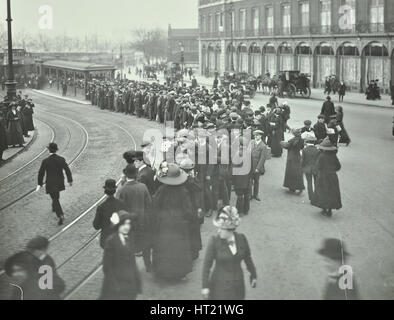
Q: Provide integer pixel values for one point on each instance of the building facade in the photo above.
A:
(186, 41)
(348, 38)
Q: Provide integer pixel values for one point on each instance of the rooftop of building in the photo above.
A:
(77, 65)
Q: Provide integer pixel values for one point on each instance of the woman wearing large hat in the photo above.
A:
(327, 192)
(172, 215)
(227, 250)
(121, 277)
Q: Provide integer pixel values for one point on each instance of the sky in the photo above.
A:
(109, 18)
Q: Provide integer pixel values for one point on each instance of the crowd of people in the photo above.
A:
(170, 187)
(16, 121)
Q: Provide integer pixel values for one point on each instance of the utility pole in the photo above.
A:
(231, 13)
(121, 63)
(10, 83)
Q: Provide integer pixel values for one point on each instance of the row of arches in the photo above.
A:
(346, 61)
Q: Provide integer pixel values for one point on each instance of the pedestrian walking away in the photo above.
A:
(52, 169)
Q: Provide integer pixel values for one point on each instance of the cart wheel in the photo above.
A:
(306, 93)
(291, 91)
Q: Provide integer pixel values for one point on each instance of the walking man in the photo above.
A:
(52, 168)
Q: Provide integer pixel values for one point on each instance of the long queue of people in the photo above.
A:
(171, 187)
(16, 121)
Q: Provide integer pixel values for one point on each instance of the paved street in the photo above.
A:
(284, 231)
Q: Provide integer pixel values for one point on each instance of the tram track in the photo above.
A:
(36, 157)
(31, 185)
(92, 239)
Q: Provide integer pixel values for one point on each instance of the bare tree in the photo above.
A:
(152, 43)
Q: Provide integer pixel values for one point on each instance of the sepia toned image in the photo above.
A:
(208, 152)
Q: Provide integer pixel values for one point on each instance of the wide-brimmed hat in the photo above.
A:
(327, 145)
(333, 249)
(110, 185)
(171, 174)
(227, 218)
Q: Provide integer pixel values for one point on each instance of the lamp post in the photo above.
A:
(230, 11)
(182, 58)
(10, 83)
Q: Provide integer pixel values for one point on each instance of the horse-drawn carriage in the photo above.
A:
(290, 82)
(294, 82)
(232, 81)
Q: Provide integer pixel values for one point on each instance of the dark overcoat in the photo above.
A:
(294, 176)
(3, 135)
(103, 215)
(136, 197)
(52, 168)
(14, 129)
(226, 281)
(28, 118)
(121, 277)
(173, 214)
(327, 192)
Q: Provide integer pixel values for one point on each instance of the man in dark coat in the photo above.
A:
(136, 197)
(328, 109)
(38, 248)
(145, 173)
(105, 210)
(53, 167)
(320, 128)
(327, 193)
(259, 154)
(3, 136)
(308, 162)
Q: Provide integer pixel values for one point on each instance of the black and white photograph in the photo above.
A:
(206, 151)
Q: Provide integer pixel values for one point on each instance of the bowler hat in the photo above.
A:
(52, 147)
(110, 185)
(334, 249)
(130, 171)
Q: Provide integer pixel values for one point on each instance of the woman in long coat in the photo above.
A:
(14, 129)
(172, 217)
(194, 186)
(121, 277)
(28, 117)
(294, 177)
(227, 250)
(327, 192)
(276, 124)
(343, 135)
(3, 136)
